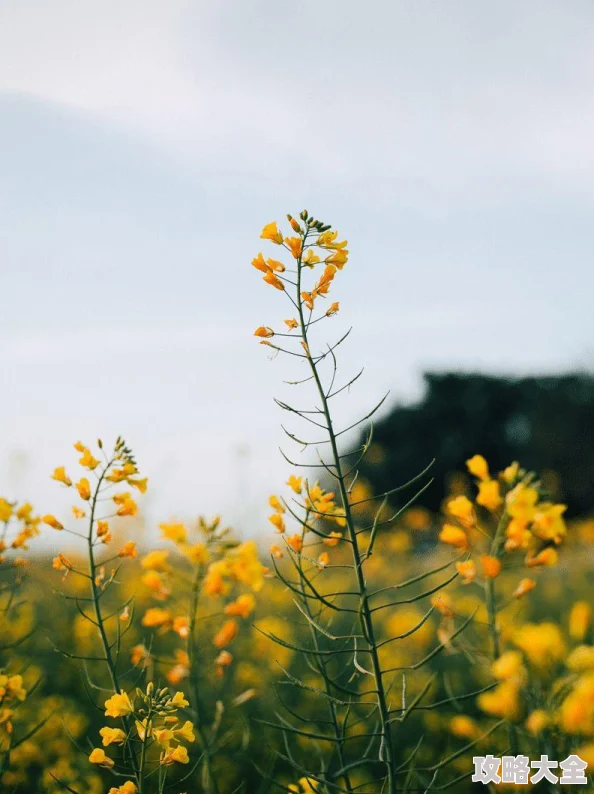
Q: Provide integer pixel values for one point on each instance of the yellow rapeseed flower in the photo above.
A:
(99, 757)
(118, 705)
(61, 476)
(271, 232)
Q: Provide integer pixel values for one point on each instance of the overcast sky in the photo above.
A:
(143, 145)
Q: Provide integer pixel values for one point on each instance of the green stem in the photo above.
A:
(111, 666)
(211, 785)
(386, 752)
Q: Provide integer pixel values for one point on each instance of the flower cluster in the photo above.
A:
(118, 467)
(318, 506)
(154, 724)
(526, 522)
(219, 569)
(315, 244)
(18, 525)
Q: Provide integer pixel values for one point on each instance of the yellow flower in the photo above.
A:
(14, 686)
(112, 736)
(586, 753)
(308, 298)
(126, 788)
(579, 620)
(521, 501)
(260, 264)
(503, 701)
(186, 731)
(478, 467)
(461, 508)
(179, 755)
(223, 660)
(442, 602)
(276, 552)
(467, 571)
(510, 473)
(5, 510)
(537, 721)
(242, 607)
(155, 617)
(87, 460)
(332, 540)
(98, 756)
(296, 483)
(156, 560)
(524, 586)
(163, 736)
(295, 542)
(226, 634)
(102, 529)
(491, 566)
(291, 324)
(179, 701)
(197, 553)
(310, 258)
(128, 549)
(126, 505)
(464, 727)
(118, 705)
(77, 512)
(548, 523)
(278, 522)
(548, 556)
(271, 232)
(84, 489)
(52, 521)
(489, 495)
(454, 536)
(581, 659)
(323, 559)
(577, 710)
(264, 331)
(543, 643)
(62, 563)
(278, 267)
(273, 280)
(61, 476)
(175, 532)
(295, 245)
(276, 504)
(333, 309)
(508, 666)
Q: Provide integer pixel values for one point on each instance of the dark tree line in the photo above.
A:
(546, 423)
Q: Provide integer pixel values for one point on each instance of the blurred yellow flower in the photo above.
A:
(580, 617)
(61, 476)
(477, 466)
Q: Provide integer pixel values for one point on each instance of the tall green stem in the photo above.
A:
(386, 752)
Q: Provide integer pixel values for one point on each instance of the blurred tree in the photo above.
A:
(547, 423)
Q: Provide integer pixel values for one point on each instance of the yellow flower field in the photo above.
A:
(360, 644)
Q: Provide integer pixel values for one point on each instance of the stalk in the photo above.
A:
(386, 752)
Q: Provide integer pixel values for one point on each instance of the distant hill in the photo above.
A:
(546, 423)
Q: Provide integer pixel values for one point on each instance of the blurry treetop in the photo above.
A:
(546, 423)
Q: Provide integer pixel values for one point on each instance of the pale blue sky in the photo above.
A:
(144, 144)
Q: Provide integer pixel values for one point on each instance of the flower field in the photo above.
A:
(360, 643)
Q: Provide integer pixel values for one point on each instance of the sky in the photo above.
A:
(143, 145)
